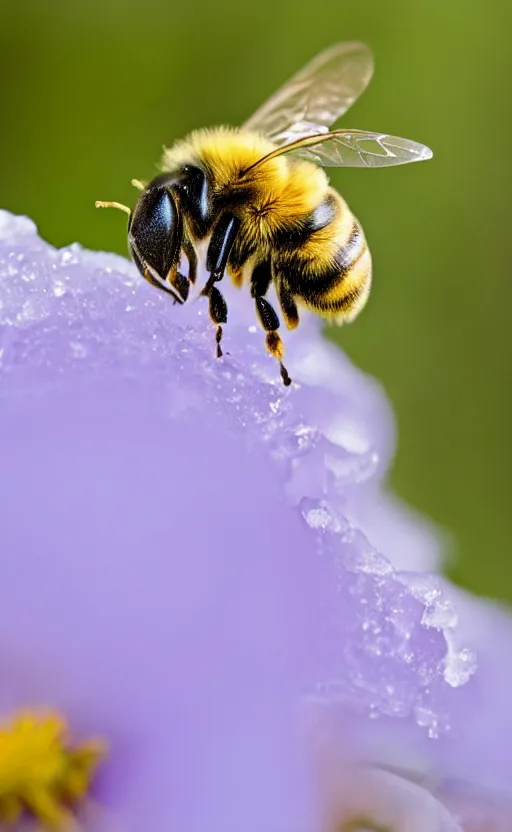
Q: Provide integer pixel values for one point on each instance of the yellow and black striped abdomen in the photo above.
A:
(327, 267)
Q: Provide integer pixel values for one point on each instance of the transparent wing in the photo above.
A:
(317, 96)
(352, 149)
(359, 148)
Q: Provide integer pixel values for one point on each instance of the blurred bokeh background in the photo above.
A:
(91, 89)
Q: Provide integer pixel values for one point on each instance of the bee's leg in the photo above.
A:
(287, 303)
(217, 256)
(179, 282)
(219, 249)
(260, 281)
(218, 314)
(148, 276)
(238, 258)
(221, 243)
(275, 346)
(191, 256)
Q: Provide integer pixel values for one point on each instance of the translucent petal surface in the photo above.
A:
(192, 556)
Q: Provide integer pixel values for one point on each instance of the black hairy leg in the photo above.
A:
(260, 282)
(217, 256)
(218, 314)
(191, 256)
(286, 301)
(180, 283)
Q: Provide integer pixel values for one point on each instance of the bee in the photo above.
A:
(257, 201)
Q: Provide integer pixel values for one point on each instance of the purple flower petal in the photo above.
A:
(194, 557)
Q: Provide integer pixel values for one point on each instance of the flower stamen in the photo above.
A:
(41, 773)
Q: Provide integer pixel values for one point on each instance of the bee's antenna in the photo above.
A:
(138, 184)
(118, 205)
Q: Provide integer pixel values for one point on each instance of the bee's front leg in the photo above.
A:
(218, 314)
(180, 283)
(190, 254)
(221, 243)
(217, 256)
(150, 279)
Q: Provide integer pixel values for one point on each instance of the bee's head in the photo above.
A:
(155, 231)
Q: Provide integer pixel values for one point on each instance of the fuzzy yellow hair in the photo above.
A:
(283, 189)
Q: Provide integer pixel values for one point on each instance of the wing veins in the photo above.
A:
(406, 151)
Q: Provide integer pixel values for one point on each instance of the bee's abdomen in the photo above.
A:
(299, 234)
(330, 268)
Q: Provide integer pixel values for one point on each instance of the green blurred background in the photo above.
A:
(91, 89)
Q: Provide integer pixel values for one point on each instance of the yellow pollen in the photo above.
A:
(41, 774)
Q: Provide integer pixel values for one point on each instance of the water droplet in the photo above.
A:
(459, 667)
(362, 557)
(78, 349)
(318, 515)
(426, 718)
(350, 468)
(67, 257)
(348, 434)
(441, 614)
(306, 437)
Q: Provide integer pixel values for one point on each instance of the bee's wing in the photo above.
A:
(353, 149)
(317, 96)
(361, 148)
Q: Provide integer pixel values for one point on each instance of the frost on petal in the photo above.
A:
(192, 554)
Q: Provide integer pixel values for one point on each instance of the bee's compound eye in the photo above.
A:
(154, 233)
